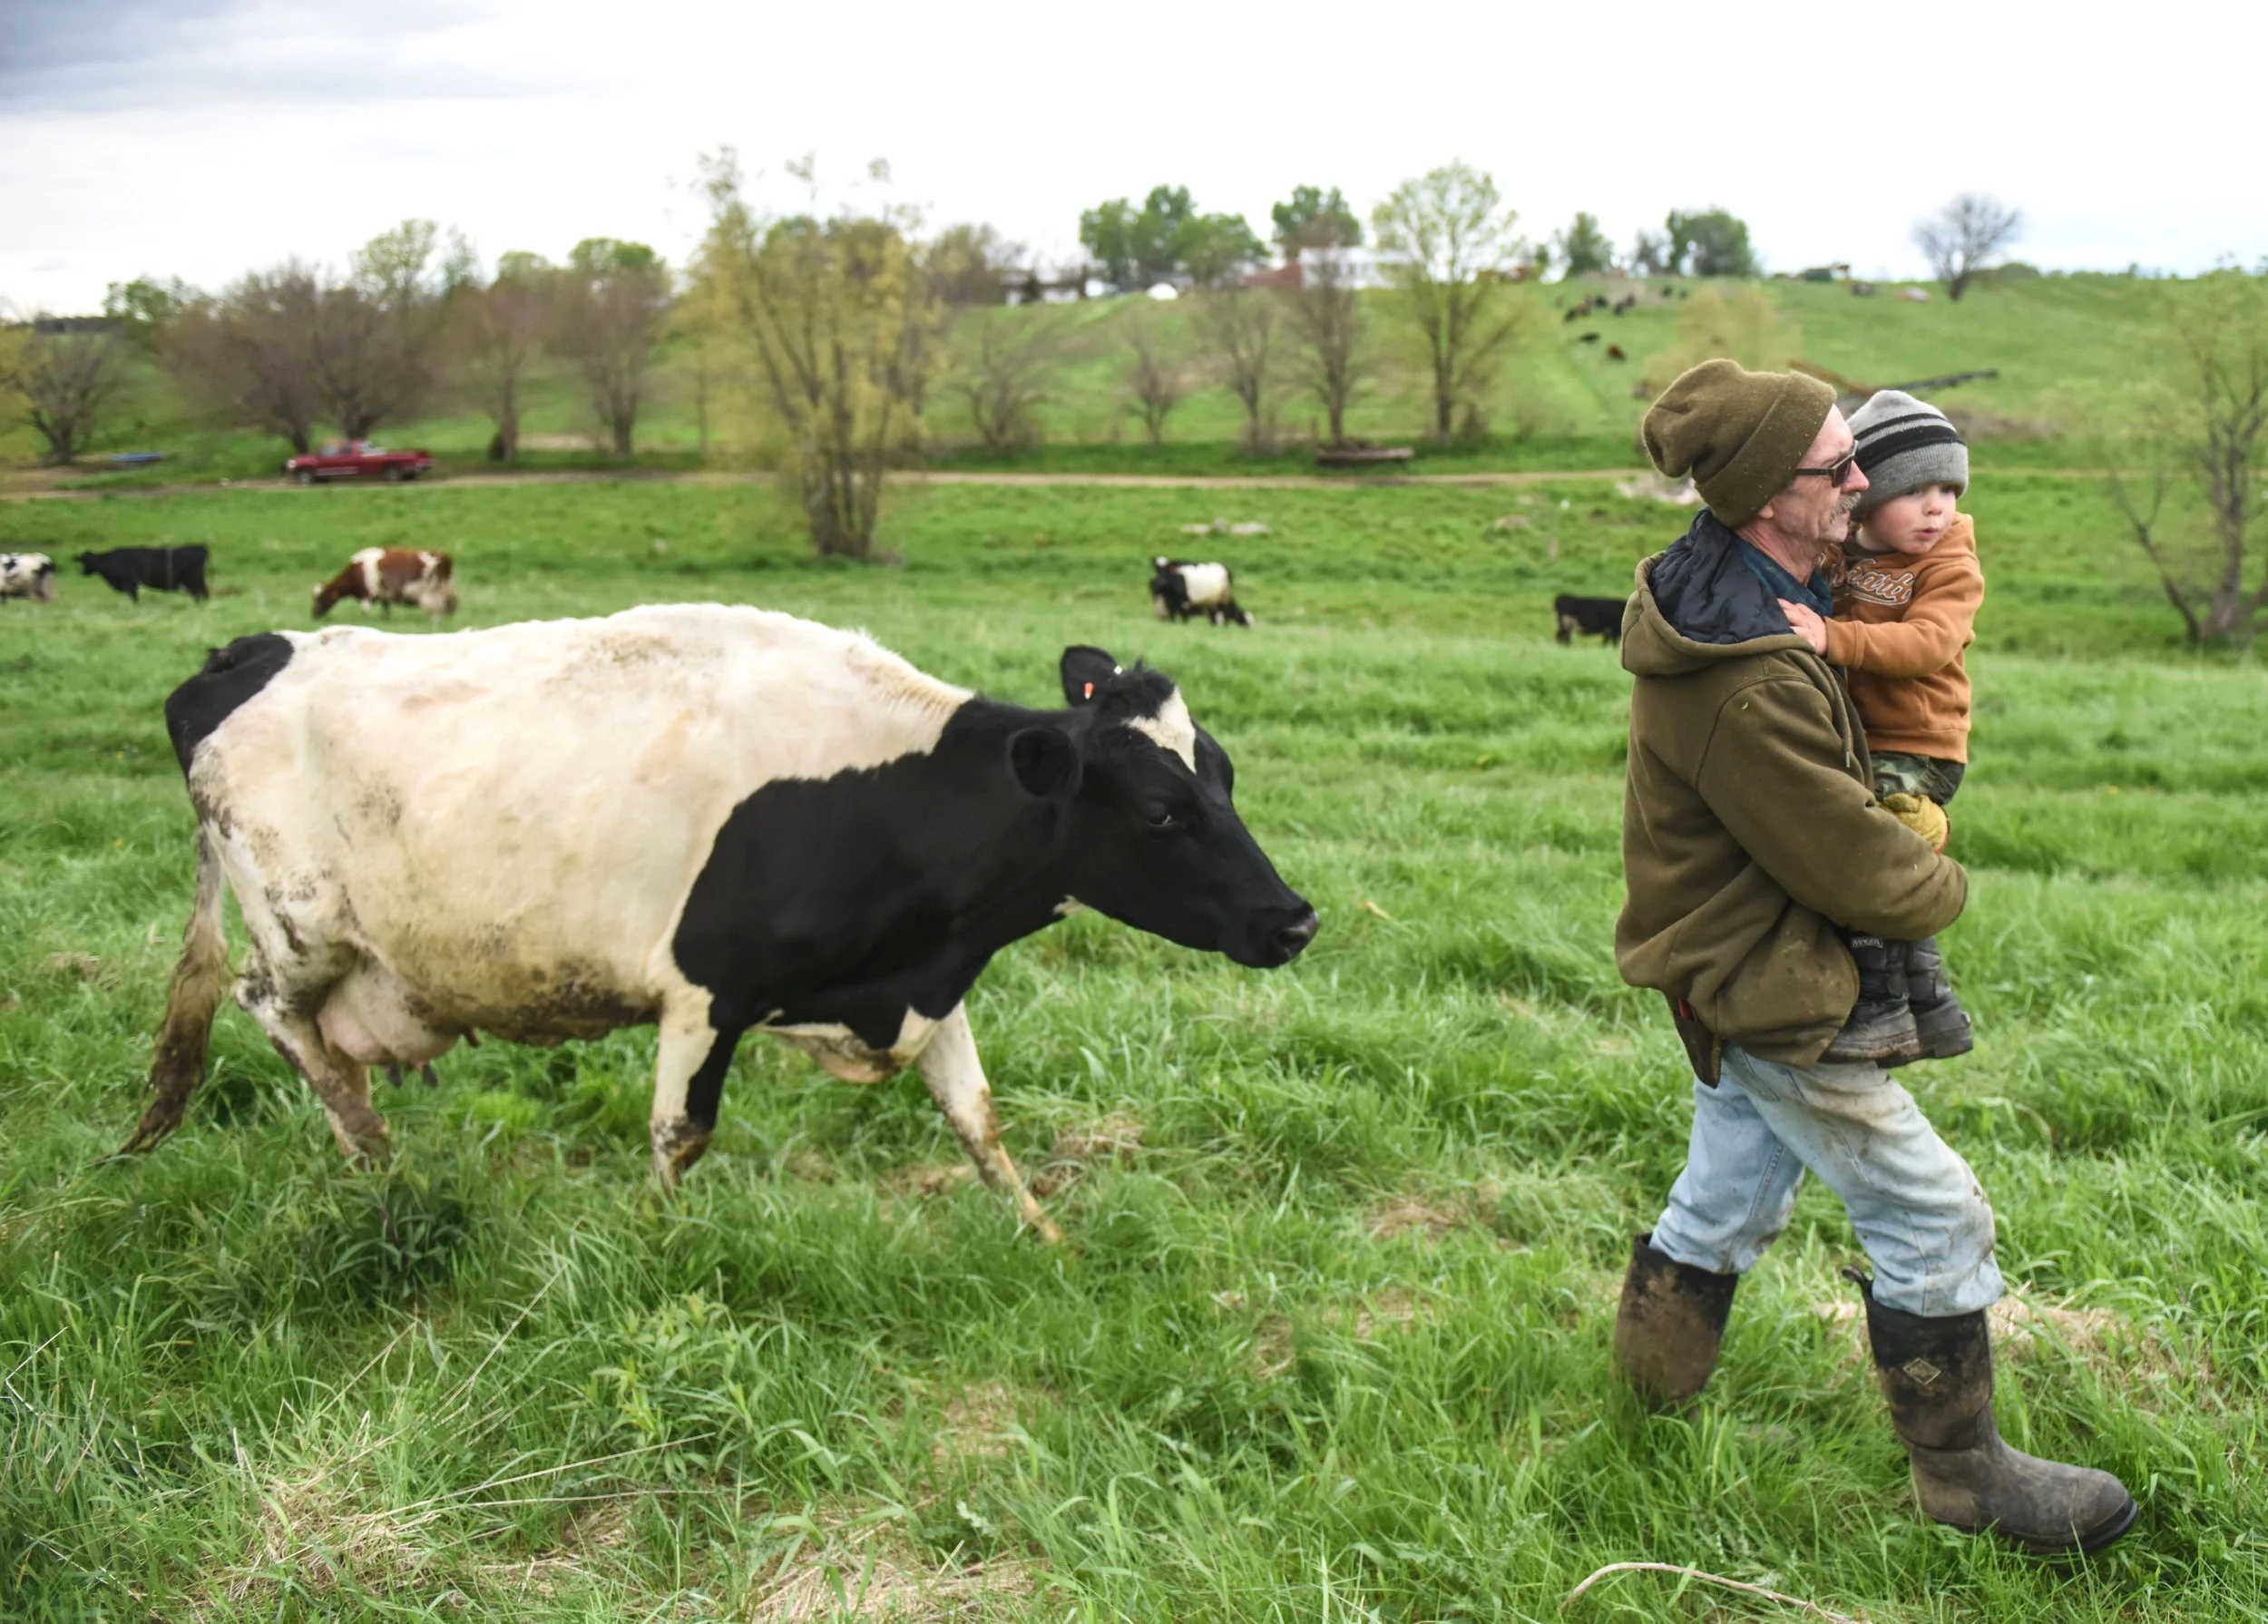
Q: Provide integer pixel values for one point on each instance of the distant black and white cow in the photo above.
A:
(161, 569)
(716, 819)
(27, 575)
(1180, 589)
(1593, 617)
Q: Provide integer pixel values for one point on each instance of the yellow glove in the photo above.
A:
(1923, 816)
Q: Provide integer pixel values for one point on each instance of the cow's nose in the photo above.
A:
(1292, 937)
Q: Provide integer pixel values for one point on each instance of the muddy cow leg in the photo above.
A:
(342, 1085)
(688, 1081)
(956, 1082)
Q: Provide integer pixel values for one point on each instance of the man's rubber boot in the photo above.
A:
(1670, 1326)
(1880, 1027)
(1937, 1375)
(1938, 1016)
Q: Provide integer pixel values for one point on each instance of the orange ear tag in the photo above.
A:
(1091, 691)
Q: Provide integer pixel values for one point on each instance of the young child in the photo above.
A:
(1905, 609)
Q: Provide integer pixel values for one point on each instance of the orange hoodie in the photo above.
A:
(1900, 627)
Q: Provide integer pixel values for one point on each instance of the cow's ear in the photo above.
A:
(1084, 671)
(1045, 761)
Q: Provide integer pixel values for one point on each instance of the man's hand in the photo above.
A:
(1806, 624)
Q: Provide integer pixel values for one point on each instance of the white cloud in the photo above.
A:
(198, 139)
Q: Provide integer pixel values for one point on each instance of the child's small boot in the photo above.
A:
(1882, 1027)
(1938, 1016)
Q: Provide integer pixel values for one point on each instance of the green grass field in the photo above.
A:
(1329, 1341)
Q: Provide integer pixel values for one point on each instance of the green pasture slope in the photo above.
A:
(2064, 346)
(1329, 1341)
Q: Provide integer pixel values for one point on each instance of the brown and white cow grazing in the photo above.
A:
(714, 819)
(389, 575)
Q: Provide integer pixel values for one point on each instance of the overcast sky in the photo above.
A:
(198, 138)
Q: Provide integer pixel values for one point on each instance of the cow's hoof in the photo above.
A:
(677, 1146)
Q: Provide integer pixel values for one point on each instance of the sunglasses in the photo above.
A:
(1837, 474)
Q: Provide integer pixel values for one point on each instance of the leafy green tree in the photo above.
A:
(1710, 242)
(1314, 217)
(142, 310)
(1137, 246)
(842, 322)
(612, 309)
(1582, 248)
(1215, 249)
(1450, 241)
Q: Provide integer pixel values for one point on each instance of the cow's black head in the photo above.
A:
(1149, 834)
(87, 563)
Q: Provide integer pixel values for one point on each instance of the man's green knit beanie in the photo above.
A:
(1741, 434)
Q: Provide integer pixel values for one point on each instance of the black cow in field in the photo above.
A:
(1182, 590)
(161, 569)
(1593, 617)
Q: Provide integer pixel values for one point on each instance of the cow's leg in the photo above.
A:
(688, 1081)
(343, 1085)
(956, 1082)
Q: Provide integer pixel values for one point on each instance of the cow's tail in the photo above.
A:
(200, 980)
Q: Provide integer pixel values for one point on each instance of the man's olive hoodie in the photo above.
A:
(1750, 829)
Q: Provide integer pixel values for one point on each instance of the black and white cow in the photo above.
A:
(1593, 617)
(27, 575)
(1180, 589)
(716, 819)
(161, 569)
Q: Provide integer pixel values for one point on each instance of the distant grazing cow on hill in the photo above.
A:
(1180, 589)
(389, 575)
(161, 569)
(27, 575)
(1593, 617)
(715, 820)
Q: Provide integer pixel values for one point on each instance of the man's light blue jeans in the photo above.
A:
(1918, 1209)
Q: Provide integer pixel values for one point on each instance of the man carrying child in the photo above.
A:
(1760, 865)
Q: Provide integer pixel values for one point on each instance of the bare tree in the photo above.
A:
(613, 304)
(499, 329)
(376, 333)
(2209, 432)
(1452, 241)
(1239, 324)
(65, 382)
(842, 319)
(1004, 373)
(971, 265)
(1157, 374)
(1962, 237)
(247, 355)
(1325, 314)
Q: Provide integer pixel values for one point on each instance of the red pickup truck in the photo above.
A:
(358, 459)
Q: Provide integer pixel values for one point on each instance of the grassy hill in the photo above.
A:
(2059, 343)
